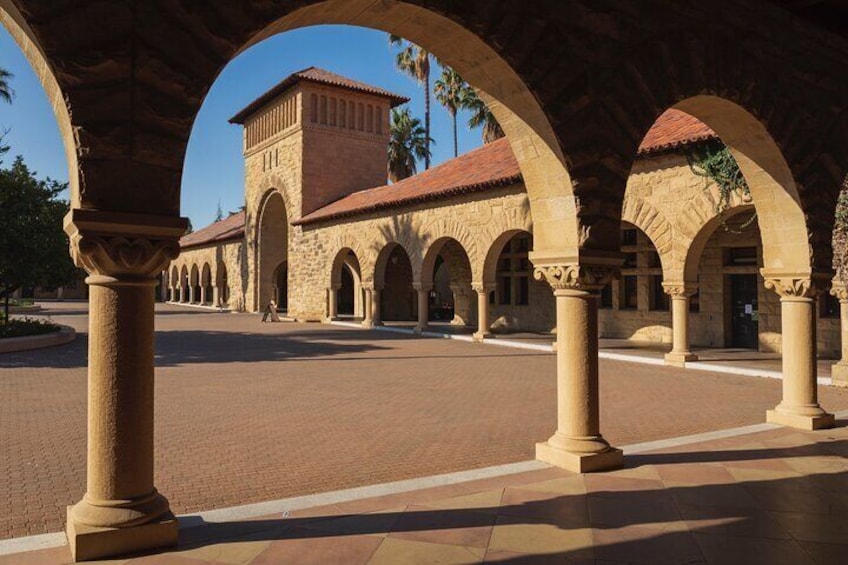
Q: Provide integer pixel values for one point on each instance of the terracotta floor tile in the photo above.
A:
(728, 521)
(485, 501)
(780, 496)
(541, 505)
(825, 553)
(821, 528)
(599, 483)
(452, 527)
(347, 550)
(52, 556)
(731, 550)
(574, 485)
(501, 556)
(229, 553)
(374, 523)
(699, 473)
(619, 512)
(731, 495)
(528, 536)
(639, 544)
(405, 552)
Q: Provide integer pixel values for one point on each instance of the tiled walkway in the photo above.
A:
(773, 497)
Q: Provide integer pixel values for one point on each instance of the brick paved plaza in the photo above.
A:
(248, 412)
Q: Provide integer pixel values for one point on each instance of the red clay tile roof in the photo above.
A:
(486, 167)
(673, 129)
(319, 76)
(226, 229)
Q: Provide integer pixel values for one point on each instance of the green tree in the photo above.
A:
(408, 142)
(33, 246)
(219, 215)
(450, 92)
(481, 115)
(415, 61)
(6, 95)
(6, 92)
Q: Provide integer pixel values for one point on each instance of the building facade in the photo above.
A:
(323, 237)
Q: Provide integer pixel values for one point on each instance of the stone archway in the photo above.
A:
(206, 289)
(222, 287)
(446, 273)
(271, 242)
(281, 286)
(393, 274)
(346, 288)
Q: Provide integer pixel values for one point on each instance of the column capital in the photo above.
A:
(575, 277)
(483, 287)
(123, 246)
(422, 287)
(839, 290)
(791, 286)
(679, 289)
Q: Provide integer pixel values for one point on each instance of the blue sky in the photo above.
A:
(214, 169)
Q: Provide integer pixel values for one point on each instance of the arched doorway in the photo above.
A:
(272, 252)
(206, 289)
(345, 290)
(446, 270)
(194, 285)
(222, 285)
(281, 286)
(393, 274)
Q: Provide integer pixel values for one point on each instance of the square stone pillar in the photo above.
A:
(482, 290)
(216, 296)
(577, 445)
(839, 371)
(680, 292)
(799, 407)
(121, 510)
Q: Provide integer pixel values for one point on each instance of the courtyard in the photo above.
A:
(249, 412)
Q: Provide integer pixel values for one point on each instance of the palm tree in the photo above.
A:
(481, 116)
(415, 61)
(408, 142)
(6, 92)
(450, 92)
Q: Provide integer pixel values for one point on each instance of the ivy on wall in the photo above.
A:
(714, 162)
(840, 234)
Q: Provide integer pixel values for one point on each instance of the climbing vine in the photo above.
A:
(840, 234)
(715, 163)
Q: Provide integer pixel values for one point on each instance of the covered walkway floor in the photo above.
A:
(760, 494)
(731, 360)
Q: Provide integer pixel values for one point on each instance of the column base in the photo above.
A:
(367, 324)
(419, 329)
(839, 375)
(679, 359)
(480, 336)
(92, 542)
(613, 458)
(800, 421)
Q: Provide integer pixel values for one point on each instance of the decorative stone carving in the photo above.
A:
(791, 286)
(483, 287)
(680, 289)
(123, 245)
(840, 292)
(574, 277)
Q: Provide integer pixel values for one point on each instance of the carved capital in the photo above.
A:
(123, 246)
(792, 287)
(681, 289)
(575, 277)
(840, 292)
(483, 287)
(418, 287)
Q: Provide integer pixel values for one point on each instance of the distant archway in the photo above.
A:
(393, 273)
(272, 250)
(446, 270)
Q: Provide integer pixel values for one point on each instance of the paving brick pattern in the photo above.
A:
(773, 498)
(248, 412)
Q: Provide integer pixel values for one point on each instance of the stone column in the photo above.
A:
(368, 319)
(191, 294)
(839, 371)
(203, 294)
(577, 445)
(121, 510)
(376, 314)
(799, 407)
(182, 293)
(333, 302)
(680, 294)
(60, 293)
(216, 295)
(423, 307)
(482, 290)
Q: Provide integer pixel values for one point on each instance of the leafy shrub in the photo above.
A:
(27, 326)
